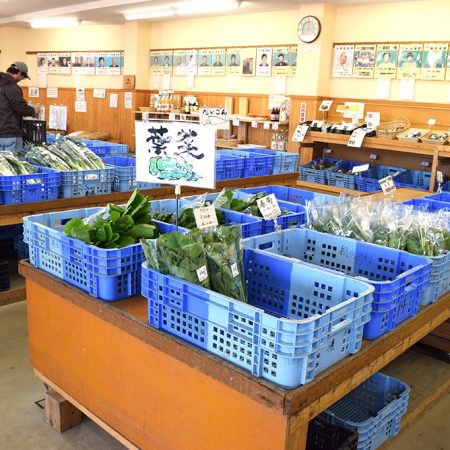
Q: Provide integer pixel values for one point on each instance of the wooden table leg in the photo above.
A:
(60, 413)
(296, 435)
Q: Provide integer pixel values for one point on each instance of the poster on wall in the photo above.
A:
(77, 62)
(280, 61)
(176, 153)
(64, 63)
(53, 62)
(386, 60)
(434, 61)
(166, 61)
(234, 61)
(204, 62)
(191, 61)
(156, 59)
(248, 61)
(42, 62)
(263, 61)
(218, 61)
(364, 61)
(343, 61)
(88, 64)
(447, 77)
(410, 61)
(179, 62)
(293, 59)
(100, 64)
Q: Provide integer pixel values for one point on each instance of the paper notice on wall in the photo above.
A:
(166, 81)
(407, 87)
(128, 100)
(80, 106)
(232, 82)
(280, 84)
(42, 81)
(52, 92)
(99, 93)
(113, 100)
(58, 117)
(33, 92)
(76, 80)
(81, 97)
(383, 88)
(156, 81)
(190, 81)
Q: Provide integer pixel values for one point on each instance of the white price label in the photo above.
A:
(325, 105)
(269, 207)
(356, 138)
(373, 156)
(373, 119)
(235, 122)
(327, 151)
(205, 217)
(439, 177)
(300, 133)
(254, 124)
(274, 126)
(425, 164)
(234, 270)
(361, 168)
(266, 125)
(183, 117)
(33, 92)
(387, 185)
(202, 274)
(171, 116)
(431, 122)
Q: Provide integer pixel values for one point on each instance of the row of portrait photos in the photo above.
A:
(245, 61)
(107, 63)
(419, 61)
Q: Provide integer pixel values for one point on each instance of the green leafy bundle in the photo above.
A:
(248, 206)
(118, 226)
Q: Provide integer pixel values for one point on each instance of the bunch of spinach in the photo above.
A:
(226, 200)
(118, 226)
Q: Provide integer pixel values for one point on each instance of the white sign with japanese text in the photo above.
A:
(269, 207)
(206, 217)
(177, 153)
(387, 185)
(215, 116)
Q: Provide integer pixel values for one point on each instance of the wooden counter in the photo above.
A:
(154, 391)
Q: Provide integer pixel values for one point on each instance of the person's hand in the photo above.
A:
(37, 110)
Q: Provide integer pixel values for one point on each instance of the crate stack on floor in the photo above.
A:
(312, 296)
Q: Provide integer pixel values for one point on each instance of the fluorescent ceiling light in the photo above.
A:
(55, 23)
(199, 7)
(149, 14)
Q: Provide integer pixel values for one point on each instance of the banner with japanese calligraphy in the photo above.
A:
(177, 153)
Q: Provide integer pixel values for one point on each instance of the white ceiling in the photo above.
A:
(18, 13)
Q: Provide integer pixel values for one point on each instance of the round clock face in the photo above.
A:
(308, 29)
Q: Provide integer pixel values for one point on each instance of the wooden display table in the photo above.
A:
(153, 391)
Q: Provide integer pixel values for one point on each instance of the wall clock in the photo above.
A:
(308, 29)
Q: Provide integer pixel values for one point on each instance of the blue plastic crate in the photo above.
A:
(250, 226)
(446, 187)
(108, 274)
(398, 277)
(255, 164)
(229, 167)
(316, 176)
(104, 148)
(291, 195)
(299, 319)
(82, 183)
(374, 409)
(283, 162)
(442, 197)
(344, 180)
(368, 181)
(428, 204)
(414, 179)
(35, 187)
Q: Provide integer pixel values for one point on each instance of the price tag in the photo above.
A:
(269, 207)
(171, 116)
(361, 168)
(327, 151)
(205, 217)
(202, 274)
(235, 122)
(254, 124)
(325, 105)
(373, 156)
(439, 177)
(266, 125)
(387, 185)
(431, 122)
(274, 126)
(372, 119)
(425, 164)
(234, 270)
(33, 92)
(299, 133)
(356, 138)
(183, 117)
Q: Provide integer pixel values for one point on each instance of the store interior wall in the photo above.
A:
(414, 20)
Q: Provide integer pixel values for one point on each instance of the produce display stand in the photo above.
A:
(153, 391)
(13, 214)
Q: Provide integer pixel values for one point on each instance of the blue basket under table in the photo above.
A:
(307, 173)
(283, 162)
(299, 319)
(34, 187)
(348, 180)
(374, 409)
(442, 197)
(229, 167)
(108, 274)
(255, 164)
(104, 148)
(369, 181)
(414, 179)
(398, 277)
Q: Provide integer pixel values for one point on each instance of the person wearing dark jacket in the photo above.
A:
(13, 107)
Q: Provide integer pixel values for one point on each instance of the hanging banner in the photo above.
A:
(218, 61)
(179, 62)
(280, 61)
(409, 61)
(57, 117)
(364, 61)
(176, 153)
(343, 61)
(434, 61)
(234, 61)
(386, 60)
(264, 62)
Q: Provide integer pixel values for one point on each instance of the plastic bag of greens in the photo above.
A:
(225, 261)
(151, 252)
(226, 199)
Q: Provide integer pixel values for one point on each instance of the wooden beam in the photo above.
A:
(12, 296)
(60, 414)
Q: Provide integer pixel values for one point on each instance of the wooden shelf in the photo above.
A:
(14, 295)
(316, 187)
